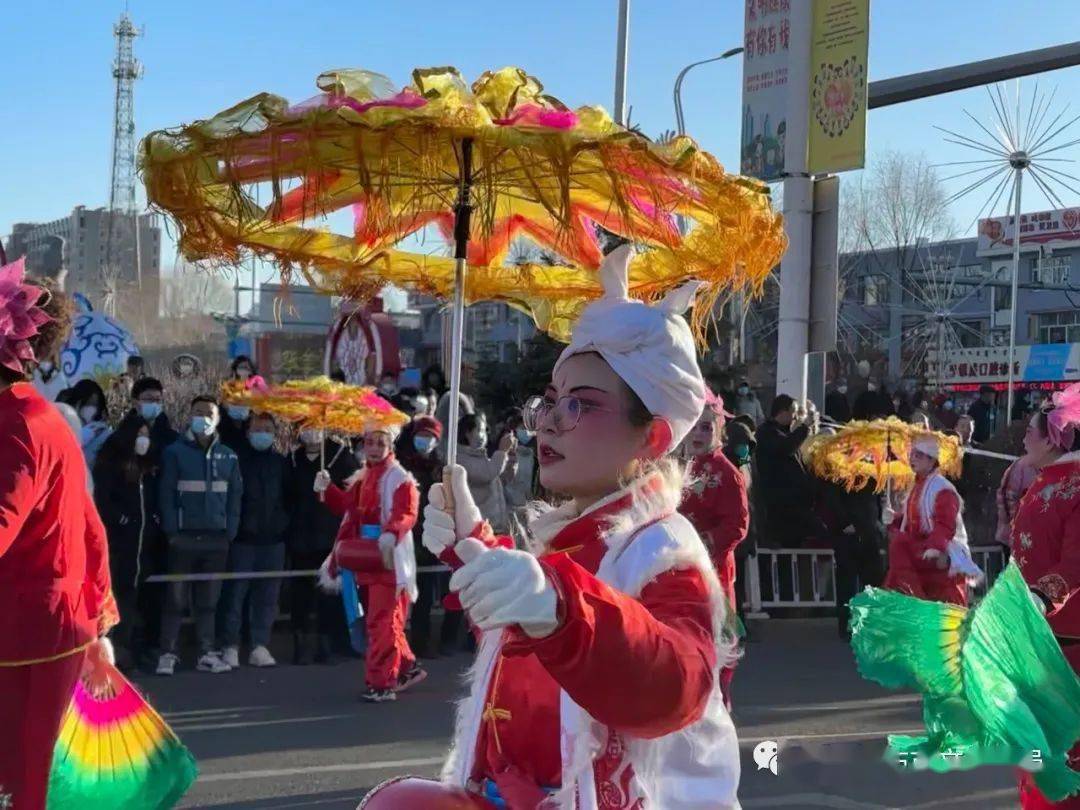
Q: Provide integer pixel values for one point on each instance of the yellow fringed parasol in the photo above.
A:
(433, 154)
(861, 452)
(318, 402)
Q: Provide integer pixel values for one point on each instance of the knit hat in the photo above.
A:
(427, 424)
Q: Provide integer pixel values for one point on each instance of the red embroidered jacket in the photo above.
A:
(1046, 541)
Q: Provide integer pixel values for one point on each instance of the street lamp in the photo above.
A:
(680, 122)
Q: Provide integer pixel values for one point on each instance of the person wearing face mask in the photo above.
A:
(837, 404)
(416, 450)
(380, 510)
(200, 491)
(126, 493)
(148, 403)
(484, 473)
(233, 430)
(388, 385)
(259, 546)
(49, 379)
(88, 400)
(747, 403)
(317, 619)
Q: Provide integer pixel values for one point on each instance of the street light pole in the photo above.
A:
(680, 121)
(622, 46)
(680, 124)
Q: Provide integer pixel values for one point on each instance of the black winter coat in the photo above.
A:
(312, 526)
(264, 518)
(129, 510)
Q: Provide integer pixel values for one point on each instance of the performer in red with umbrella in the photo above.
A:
(596, 685)
(1046, 542)
(928, 547)
(716, 503)
(55, 595)
(375, 542)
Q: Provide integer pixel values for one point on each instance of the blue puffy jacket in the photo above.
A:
(200, 492)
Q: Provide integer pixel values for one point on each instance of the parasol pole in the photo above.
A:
(462, 214)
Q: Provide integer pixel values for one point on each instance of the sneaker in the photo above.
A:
(212, 662)
(410, 678)
(166, 664)
(231, 656)
(378, 695)
(261, 657)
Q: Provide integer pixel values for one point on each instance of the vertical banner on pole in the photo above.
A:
(839, 49)
(767, 37)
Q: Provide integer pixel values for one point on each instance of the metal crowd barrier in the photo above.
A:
(806, 578)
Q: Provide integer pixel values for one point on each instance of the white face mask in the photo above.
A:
(842, 389)
(45, 366)
(142, 445)
(311, 436)
(88, 413)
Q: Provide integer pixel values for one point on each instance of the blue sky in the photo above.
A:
(201, 57)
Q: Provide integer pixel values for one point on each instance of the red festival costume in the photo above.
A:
(908, 571)
(388, 653)
(716, 504)
(658, 648)
(1046, 546)
(55, 594)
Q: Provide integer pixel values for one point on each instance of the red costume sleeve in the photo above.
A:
(946, 513)
(338, 500)
(403, 510)
(17, 473)
(733, 515)
(485, 535)
(1062, 581)
(642, 667)
(97, 570)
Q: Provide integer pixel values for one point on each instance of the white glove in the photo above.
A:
(322, 481)
(387, 541)
(466, 514)
(327, 582)
(439, 533)
(888, 515)
(1038, 601)
(503, 587)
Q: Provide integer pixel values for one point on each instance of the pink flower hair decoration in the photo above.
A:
(1064, 419)
(20, 316)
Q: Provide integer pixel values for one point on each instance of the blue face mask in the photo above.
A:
(203, 426)
(742, 453)
(239, 412)
(424, 444)
(261, 441)
(523, 435)
(150, 410)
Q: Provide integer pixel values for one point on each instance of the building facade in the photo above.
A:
(74, 250)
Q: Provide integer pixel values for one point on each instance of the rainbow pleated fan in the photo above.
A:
(115, 751)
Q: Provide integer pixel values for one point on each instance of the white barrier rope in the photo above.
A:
(213, 577)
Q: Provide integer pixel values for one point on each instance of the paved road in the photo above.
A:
(296, 737)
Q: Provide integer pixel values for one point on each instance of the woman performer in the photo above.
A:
(55, 596)
(928, 544)
(596, 682)
(1046, 542)
(716, 504)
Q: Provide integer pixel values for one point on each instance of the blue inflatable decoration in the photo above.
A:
(98, 347)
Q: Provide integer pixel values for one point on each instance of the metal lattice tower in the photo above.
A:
(126, 69)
